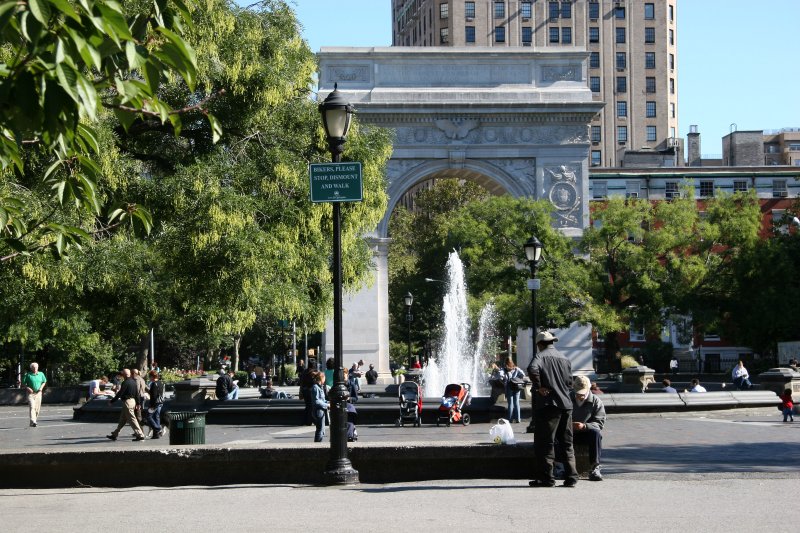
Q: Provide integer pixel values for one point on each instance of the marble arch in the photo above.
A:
(515, 120)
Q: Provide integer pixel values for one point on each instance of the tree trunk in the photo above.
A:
(612, 347)
(237, 341)
(142, 356)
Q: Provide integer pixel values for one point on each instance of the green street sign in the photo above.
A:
(336, 182)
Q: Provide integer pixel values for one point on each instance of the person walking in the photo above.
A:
(787, 406)
(320, 404)
(129, 394)
(514, 382)
(156, 403)
(551, 382)
(34, 382)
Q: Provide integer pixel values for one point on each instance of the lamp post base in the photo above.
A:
(340, 472)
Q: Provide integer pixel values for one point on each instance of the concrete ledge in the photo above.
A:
(709, 399)
(302, 463)
(638, 402)
(51, 395)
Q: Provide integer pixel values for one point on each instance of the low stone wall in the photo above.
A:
(302, 463)
(72, 394)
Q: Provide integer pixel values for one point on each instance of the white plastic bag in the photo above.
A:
(501, 433)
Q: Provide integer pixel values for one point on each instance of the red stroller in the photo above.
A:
(410, 404)
(455, 398)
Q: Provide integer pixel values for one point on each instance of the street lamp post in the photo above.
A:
(336, 114)
(533, 251)
(409, 302)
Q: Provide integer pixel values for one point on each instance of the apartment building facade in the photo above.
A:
(632, 64)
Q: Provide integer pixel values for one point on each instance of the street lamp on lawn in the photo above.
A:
(336, 114)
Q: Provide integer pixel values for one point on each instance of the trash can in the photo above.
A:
(187, 427)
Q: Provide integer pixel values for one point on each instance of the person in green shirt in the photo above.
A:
(34, 381)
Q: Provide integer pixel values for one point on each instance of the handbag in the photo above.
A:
(516, 384)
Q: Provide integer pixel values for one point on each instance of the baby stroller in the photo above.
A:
(352, 415)
(410, 404)
(455, 398)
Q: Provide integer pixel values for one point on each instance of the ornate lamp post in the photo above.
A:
(409, 302)
(533, 251)
(336, 114)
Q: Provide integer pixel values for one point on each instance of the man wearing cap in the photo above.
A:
(588, 418)
(551, 382)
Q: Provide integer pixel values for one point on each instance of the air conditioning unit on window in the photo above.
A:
(632, 195)
(673, 194)
(526, 19)
(470, 19)
(783, 194)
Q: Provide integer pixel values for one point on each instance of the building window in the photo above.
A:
(594, 10)
(599, 188)
(566, 10)
(672, 61)
(779, 189)
(619, 13)
(444, 11)
(637, 333)
(649, 60)
(594, 60)
(622, 109)
(525, 10)
(594, 35)
(671, 37)
(594, 84)
(707, 189)
(527, 35)
(469, 10)
(650, 109)
(554, 35)
(632, 189)
(620, 35)
(553, 10)
(596, 158)
(597, 134)
(650, 84)
(444, 35)
(671, 190)
(622, 84)
(739, 186)
(622, 134)
(672, 110)
(649, 35)
(499, 10)
(672, 86)
(671, 14)
(649, 11)
(500, 34)
(566, 35)
(621, 60)
(469, 34)
(651, 133)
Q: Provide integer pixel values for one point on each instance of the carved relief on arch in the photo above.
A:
(562, 188)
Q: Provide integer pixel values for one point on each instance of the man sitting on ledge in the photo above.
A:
(227, 389)
(588, 418)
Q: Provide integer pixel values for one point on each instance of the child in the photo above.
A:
(786, 405)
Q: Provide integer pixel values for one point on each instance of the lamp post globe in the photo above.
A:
(336, 114)
(409, 298)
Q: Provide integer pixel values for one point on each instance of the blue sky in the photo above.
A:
(737, 59)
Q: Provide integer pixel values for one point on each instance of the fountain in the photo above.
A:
(458, 361)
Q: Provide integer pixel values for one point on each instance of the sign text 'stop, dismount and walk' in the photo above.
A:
(336, 182)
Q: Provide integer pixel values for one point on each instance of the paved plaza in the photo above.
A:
(704, 471)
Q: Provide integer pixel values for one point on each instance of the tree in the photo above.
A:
(648, 260)
(61, 65)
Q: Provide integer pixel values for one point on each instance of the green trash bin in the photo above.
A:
(187, 427)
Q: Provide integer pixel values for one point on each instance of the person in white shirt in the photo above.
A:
(95, 387)
(696, 387)
(740, 377)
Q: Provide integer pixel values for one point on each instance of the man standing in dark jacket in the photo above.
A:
(129, 393)
(551, 382)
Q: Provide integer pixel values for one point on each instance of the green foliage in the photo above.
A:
(628, 361)
(64, 68)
